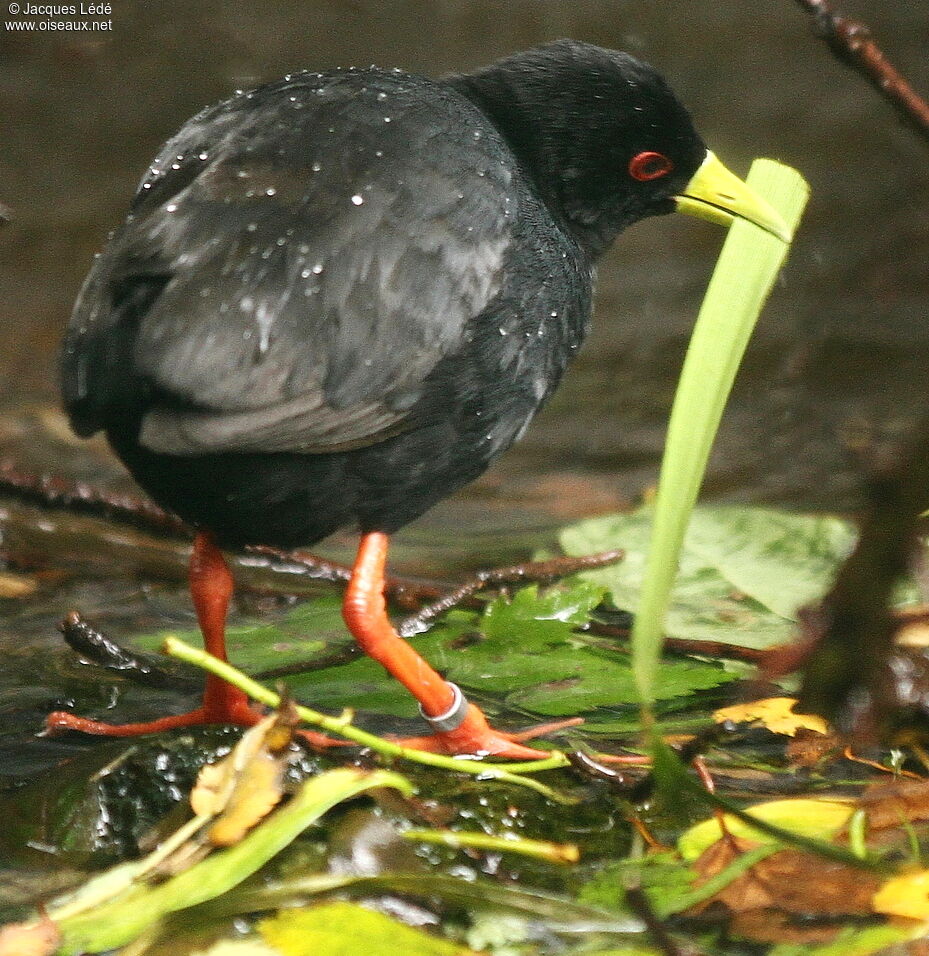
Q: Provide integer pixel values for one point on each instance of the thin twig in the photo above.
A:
(535, 572)
(55, 492)
(77, 497)
(140, 668)
(95, 647)
(510, 773)
(641, 906)
(852, 42)
(683, 645)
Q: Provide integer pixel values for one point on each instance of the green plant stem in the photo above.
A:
(741, 282)
(539, 849)
(508, 773)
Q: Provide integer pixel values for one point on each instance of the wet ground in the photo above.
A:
(841, 354)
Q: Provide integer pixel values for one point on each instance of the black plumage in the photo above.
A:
(337, 298)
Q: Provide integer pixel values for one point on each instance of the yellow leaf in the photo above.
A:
(17, 585)
(774, 713)
(239, 947)
(904, 896)
(216, 782)
(820, 819)
(343, 929)
(244, 787)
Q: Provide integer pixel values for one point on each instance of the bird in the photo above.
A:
(338, 297)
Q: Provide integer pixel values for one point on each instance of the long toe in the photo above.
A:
(60, 721)
(476, 737)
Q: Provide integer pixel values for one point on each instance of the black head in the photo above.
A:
(601, 134)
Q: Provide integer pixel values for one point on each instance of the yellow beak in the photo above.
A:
(720, 196)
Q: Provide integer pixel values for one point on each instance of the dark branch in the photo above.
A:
(852, 42)
(539, 572)
(853, 675)
(97, 648)
(77, 497)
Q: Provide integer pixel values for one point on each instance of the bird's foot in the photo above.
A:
(225, 705)
(475, 737)
(60, 721)
(228, 708)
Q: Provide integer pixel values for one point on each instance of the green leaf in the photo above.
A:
(523, 650)
(481, 895)
(743, 572)
(344, 929)
(666, 883)
(858, 941)
(114, 924)
(312, 629)
(743, 278)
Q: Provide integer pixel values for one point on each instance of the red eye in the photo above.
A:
(649, 165)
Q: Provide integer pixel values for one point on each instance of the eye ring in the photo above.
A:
(649, 165)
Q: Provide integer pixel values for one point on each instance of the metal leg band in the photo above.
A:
(454, 717)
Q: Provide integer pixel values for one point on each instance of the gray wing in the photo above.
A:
(294, 265)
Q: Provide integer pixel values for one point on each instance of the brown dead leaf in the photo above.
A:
(256, 794)
(744, 892)
(774, 926)
(805, 884)
(29, 939)
(891, 803)
(808, 748)
(777, 899)
(240, 790)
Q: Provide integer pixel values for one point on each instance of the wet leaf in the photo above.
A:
(663, 879)
(813, 818)
(524, 649)
(113, 924)
(775, 714)
(743, 573)
(244, 787)
(343, 929)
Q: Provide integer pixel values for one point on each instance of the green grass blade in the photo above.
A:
(116, 923)
(747, 268)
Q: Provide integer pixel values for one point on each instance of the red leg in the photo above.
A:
(461, 728)
(211, 588)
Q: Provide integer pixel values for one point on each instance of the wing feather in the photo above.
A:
(319, 246)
